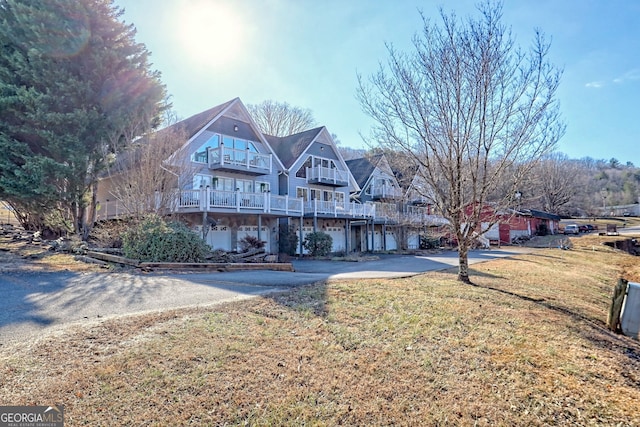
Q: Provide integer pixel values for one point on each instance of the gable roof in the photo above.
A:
(198, 123)
(195, 123)
(289, 148)
(362, 168)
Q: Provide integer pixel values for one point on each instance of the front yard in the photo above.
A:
(526, 346)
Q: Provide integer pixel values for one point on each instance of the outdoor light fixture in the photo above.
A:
(235, 128)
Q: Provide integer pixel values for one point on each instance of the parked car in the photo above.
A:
(583, 229)
(571, 229)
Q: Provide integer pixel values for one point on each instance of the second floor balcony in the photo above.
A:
(339, 209)
(327, 176)
(210, 200)
(385, 191)
(245, 161)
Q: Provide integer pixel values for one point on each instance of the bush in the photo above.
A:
(248, 243)
(318, 243)
(287, 240)
(428, 242)
(155, 240)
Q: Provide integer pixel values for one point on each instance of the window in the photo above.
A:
(202, 153)
(315, 161)
(339, 198)
(302, 192)
(201, 181)
(302, 172)
(223, 184)
(244, 185)
(327, 196)
(315, 194)
(238, 144)
(263, 187)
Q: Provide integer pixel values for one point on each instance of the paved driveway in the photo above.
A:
(34, 302)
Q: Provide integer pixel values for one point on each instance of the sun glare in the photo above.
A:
(210, 32)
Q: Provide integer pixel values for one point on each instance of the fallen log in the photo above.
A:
(113, 258)
(90, 260)
(248, 254)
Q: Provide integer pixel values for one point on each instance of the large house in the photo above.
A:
(234, 181)
(241, 182)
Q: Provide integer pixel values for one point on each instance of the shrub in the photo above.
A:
(287, 240)
(155, 240)
(428, 242)
(318, 243)
(248, 243)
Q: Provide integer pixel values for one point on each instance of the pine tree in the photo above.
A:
(74, 87)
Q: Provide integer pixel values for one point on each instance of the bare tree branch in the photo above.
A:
(280, 118)
(472, 110)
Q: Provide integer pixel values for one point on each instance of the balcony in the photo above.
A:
(245, 161)
(339, 209)
(207, 200)
(385, 191)
(410, 215)
(327, 176)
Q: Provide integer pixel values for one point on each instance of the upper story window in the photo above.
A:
(201, 181)
(380, 183)
(263, 187)
(223, 184)
(245, 185)
(201, 155)
(302, 192)
(315, 161)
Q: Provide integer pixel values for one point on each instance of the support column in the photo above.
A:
(259, 227)
(347, 236)
(384, 237)
(301, 234)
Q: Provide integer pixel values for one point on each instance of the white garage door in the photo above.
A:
(252, 230)
(337, 235)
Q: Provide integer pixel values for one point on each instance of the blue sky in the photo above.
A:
(308, 53)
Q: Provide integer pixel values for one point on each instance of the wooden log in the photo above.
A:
(90, 260)
(248, 254)
(113, 258)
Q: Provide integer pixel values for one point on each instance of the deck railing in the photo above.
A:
(250, 160)
(327, 175)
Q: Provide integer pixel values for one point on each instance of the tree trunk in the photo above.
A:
(89, 215)
(463, 261)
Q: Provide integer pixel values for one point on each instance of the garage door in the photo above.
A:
(218, 237)
(252, 230)
(337, 235)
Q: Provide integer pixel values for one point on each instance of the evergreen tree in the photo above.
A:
(75, 86)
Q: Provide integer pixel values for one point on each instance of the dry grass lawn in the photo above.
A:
(526, 346)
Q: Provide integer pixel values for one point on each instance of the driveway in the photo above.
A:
(32, 303)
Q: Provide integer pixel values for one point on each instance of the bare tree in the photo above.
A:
(472, 110)
(555, 180)
(280, 118)
(141, 180)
